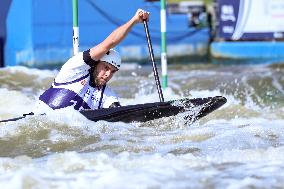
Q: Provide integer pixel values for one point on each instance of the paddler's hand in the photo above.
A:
(141, 15)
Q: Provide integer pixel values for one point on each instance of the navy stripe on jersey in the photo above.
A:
(70, 82)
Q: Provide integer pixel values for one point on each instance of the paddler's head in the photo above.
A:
(107, 66)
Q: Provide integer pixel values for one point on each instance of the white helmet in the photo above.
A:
(112, 57)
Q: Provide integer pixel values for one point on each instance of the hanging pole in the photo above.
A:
(164, 45)
(153, 61)
(75, 28)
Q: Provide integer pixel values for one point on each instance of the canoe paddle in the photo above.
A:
(17, 118)
(153, 61)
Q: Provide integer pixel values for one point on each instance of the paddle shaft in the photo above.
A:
(17, 118)
(153, 61)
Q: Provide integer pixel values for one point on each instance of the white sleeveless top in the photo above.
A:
(71, 87)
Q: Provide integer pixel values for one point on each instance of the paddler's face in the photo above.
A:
(103, 73)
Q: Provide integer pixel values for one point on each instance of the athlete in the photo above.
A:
(82, 80)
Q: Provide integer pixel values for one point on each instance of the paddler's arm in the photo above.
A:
(118, 35)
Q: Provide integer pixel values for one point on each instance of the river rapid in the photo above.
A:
(240, 145)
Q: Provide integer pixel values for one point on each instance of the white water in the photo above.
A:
(241, 145)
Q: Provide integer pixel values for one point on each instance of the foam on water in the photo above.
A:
(238, 146)
(127, 170)
(12, 103)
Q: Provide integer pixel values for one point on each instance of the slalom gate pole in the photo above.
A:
(164, 45)
(75, 28)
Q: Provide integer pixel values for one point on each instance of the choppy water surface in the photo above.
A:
(240, 145)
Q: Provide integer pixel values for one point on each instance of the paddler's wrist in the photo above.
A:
(134, 20)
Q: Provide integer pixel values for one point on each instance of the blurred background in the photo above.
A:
(39, 33)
